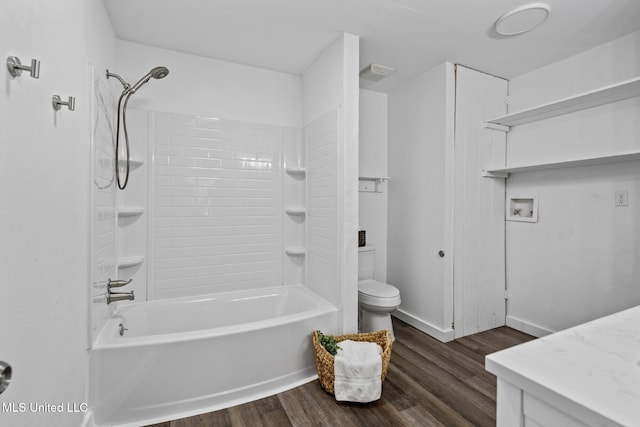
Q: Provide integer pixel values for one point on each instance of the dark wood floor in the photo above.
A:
(429, 383)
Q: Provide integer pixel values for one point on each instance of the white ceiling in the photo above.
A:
(411, 36)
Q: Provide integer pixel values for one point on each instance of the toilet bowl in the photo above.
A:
(376, 300)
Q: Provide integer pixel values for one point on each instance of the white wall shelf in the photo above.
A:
(296, 171)
(616, 92)
(585, 161)
(295, 210)
(295, 251)
(130, 211)
(130, 261)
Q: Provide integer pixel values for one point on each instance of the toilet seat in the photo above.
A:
(378, 294)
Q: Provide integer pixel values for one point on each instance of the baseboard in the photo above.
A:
(444, 335)
(527, 327)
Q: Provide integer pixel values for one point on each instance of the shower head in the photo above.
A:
(156, 73)
(159, 72)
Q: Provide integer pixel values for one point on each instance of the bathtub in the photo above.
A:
(183, 357)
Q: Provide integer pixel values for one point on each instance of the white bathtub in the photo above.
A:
(188, 356)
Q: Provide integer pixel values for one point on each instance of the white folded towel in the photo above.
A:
(357, 370)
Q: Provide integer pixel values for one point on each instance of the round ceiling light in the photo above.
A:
(522, 19)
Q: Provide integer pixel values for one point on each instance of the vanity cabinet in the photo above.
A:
(588, 375)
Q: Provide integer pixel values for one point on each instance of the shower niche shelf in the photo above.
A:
(295, 210)
(130, 212)
(133, 163)
(295, 251)
(296, 171)
(130, 261)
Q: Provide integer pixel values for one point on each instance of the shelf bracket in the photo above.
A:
(496, 126)
(365, 187)
(489, 174)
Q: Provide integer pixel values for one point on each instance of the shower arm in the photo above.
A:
(124, 84)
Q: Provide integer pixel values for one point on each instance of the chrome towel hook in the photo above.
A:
(15, 67)
(57, 103)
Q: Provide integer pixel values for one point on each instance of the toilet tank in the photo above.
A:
(366, 262)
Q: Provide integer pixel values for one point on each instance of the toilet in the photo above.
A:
(376, 300)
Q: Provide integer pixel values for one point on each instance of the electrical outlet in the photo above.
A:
(622, 198)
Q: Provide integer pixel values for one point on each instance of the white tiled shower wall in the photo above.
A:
(322, 228)
(216, 205)
(218, 192)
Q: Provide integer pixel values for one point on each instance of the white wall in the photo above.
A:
(44, 191)
(419, 198)
(580, 261)
(322, 83)
(372, 209)
(204, 86)
(332, 82)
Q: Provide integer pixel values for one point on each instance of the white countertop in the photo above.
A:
(593, 367)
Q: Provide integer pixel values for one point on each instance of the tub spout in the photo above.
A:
(117, 283)
(120, 296)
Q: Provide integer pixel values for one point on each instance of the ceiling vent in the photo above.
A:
(522, 19)
(375, 72)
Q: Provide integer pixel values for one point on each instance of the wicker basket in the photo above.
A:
(324, 359)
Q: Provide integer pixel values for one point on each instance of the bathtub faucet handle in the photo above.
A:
(117, 283)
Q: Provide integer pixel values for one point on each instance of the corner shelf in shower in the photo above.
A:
(130, 261)
(133, 163)
(295, 251)
(297, 171)
(128, 212)
(295, 210)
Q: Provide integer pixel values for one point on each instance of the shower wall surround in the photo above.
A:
(103, 244)
(201, 86)
(216, 205)
(231, 205)
(322, 229)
